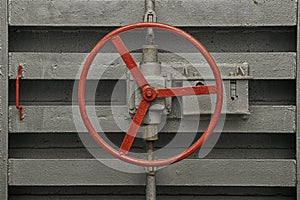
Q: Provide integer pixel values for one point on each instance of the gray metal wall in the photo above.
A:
(44, 158)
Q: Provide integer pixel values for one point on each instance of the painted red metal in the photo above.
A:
(19, 76)
(150, 95)
(129, 61)
(186, 91)
(134, 127)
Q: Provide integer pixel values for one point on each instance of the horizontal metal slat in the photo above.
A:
(66, 65)
(141, 197)
(190, 172)
(270, 193)
(258, 141)
(236, 145)
(73, 153)
(178, 13)
(59, 119)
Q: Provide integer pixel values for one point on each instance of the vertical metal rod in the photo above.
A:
(150, 16)
(298, 104)
(150, 182)
(149, 5)
(150, 36)
(4, 100)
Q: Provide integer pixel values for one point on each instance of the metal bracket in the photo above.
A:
(19, 76)
(235, 80)
(150, 14)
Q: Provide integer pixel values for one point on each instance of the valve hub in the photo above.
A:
(149, 93)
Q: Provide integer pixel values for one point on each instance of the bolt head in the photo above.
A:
(149, 94)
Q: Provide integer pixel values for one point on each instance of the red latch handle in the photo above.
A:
(21, 109)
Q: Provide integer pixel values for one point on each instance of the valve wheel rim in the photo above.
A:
(136, 161)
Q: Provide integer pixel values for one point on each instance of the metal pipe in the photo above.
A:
(150, 16)
(150, 182)
(149, 5)
(150, 36)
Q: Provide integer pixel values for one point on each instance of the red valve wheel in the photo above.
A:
(149, 94)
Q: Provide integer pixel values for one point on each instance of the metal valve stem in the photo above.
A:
(150, 65)
(151, 180)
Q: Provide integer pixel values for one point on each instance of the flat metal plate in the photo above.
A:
(59, 119)
(66, 65)
(236, 101)
(205, 104)
(189, 172)
(177, 13)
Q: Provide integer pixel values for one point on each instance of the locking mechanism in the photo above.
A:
(235, 82)
(236, 86)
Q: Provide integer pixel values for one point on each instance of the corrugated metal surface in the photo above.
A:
(255, 158)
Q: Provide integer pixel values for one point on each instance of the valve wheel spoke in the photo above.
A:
(134, 127)
(129, 61)
(186, 91)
